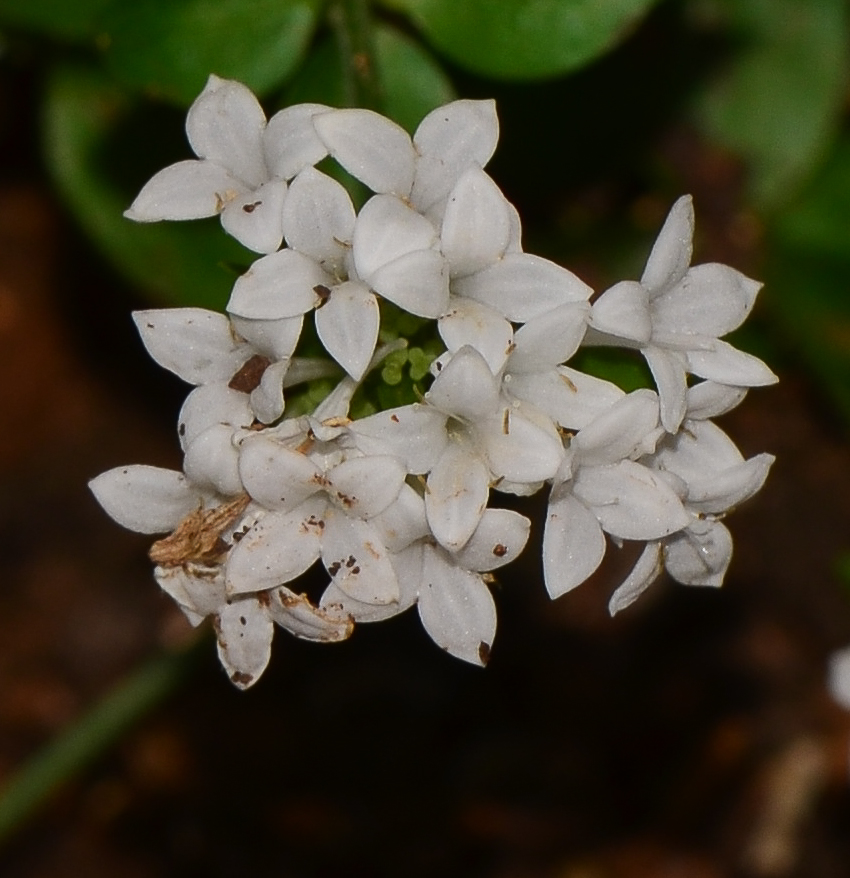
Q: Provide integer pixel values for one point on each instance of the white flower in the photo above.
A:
(602, 489)
(242, 167)
(676, 316)
(711, 477)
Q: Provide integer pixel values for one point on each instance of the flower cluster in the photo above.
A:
(396, 503)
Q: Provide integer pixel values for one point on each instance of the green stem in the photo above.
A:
(87, 739)
(351, 21)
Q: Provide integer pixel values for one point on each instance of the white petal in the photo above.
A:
(468, 322)
(244, 633)
(357, 561)
(212, 460)
(267, 401)
(183, 191)
(279, 285)
(457, 492)
(630, 501)
(623, 312)
(719, 492)
(365, 486)
(699, 555)
(387, 228)
(225, 125)
(522, 286)
(727, 365)
(198, 590)
(298, 616)
(290, 142)
(551, 339)
(275, 339)
(700, 451)
(521, 445)
(370, 147)
(418, 282)
(347, 325)
(671, 254)
(620, 431)
(573, 544)
(500, 537)
(280, 547)
(195, 344)
(318, 217)
(669, 369)
(275, 476)
(476, 225)
(403, 521)
(456, 608)
(208, 405)
(710, 300)
(416, 434)
(708, 399)
(255, 219)
(449, 140)
(465, 388)
(645, 572)
(146, 499)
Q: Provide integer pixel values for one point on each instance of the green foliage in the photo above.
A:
(777, 101)
(178, 263)
(523, 39)
(58, 19)
(168, 48)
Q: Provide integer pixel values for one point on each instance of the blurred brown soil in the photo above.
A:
(690, 737)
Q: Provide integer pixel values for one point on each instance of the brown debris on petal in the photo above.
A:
(250, 374)
(484, 652)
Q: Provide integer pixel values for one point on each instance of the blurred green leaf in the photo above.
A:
(412, 80)
(779, 99)
(523, 39)
(54, 18)
(808, 274)
(179, 263)
(169, 47)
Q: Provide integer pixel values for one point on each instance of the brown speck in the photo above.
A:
(355, 571)
(499, 550)
(506, 422)
(484, 652)
(323, 293)
(249, 375)
(351, 561)
(240, 678)
(394, 418)
(250, 208)
(182, 429)
(264, 599)
(334, 568)
(569, 383)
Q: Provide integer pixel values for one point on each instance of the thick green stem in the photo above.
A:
(90, 736)
(351, 21)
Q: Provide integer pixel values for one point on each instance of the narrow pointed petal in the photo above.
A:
(298, 616)
(727, 365)
(357, 561)
(416, 434)
(699, 555)
(183, 191)
(347, 325)
(573, 544)
(449, 140)
(456, 608)
(290, 142)
(708, 399)
(499, 538)
(671, 255)
(522, 286)
(476, 225)
(370, 147)
(719, 492)
(255, 219)
(619, 432)
(318, 217)
(196, 344)
(244, 633)
(647, 569)
(365, 486)
(622, 311)
(456, 496)
(418, 282)
(387, 228)
(630, 501)
(551, 339)
(468, 322)
(280, 547)
(225, 125)
(465, 388)
(279, 285)
(669, 369)
(710, 300)
(275, 476)
(146, 499)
